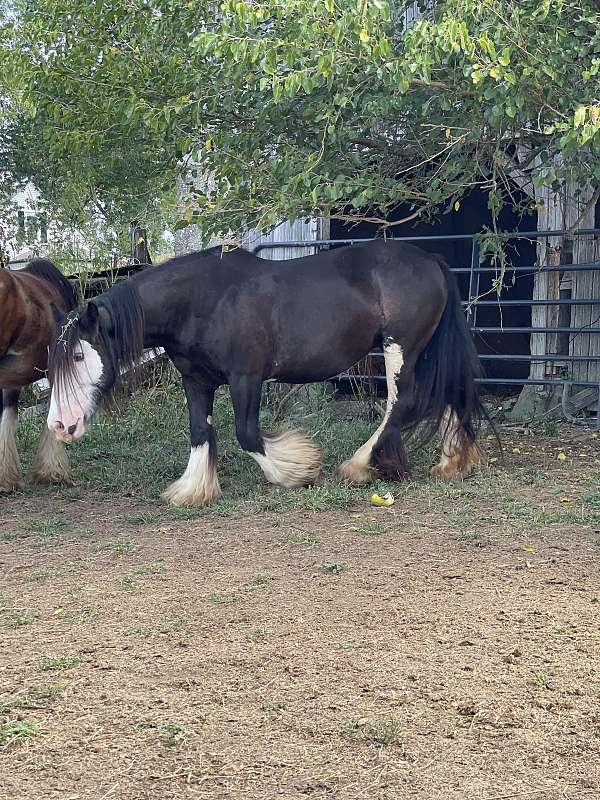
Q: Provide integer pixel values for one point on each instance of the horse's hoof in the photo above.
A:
(6, 487)
(181, 496)
(355, 472)
(45, 480)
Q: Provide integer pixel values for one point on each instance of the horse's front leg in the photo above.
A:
(51, 464)
(199, 484)
(10, 466)
(287, 459)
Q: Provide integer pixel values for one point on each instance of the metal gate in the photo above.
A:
(473, 302)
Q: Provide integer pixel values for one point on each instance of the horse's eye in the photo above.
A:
(78, 356)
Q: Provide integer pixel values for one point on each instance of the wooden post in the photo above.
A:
(562, 210)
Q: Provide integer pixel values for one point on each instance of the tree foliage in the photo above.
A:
(300, 107)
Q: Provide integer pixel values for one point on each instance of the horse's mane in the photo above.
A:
(120, 335)
(46, 271)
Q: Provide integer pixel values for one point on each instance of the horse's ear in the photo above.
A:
(89, 319)
(57, 314)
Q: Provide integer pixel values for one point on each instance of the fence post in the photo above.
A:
(473, 283)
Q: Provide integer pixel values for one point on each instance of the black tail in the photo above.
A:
(447, 370)
(44, 269)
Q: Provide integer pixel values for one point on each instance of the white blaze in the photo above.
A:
(72, 401)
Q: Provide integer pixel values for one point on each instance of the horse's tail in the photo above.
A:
(447, 370)
(45, 270)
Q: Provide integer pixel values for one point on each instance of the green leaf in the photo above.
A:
(579, 116)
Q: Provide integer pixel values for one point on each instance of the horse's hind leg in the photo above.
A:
(199, 484)
(10, 465)
(287, 459)
(460, 452)
(384, 452)
(51, 464)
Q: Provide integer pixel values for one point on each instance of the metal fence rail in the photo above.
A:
(473, 301)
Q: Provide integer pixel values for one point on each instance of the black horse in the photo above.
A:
(240, 320)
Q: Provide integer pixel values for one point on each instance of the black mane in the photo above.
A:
(119, 337)
(45, 270)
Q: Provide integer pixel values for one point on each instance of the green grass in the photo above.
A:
(138, 450)
(258, 635)
(157, 568)
(369, 528)
(383, 732)
(48, 691)
(127, 583)
(15, 732)
(19, 617)
(333, 567)
(60, 663)
(171, 734)
(273, 705)
(118, 547)
(144, 518)
(304, 538)
(143, 631)
(222, 599)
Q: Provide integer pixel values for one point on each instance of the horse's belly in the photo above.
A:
(16, 372)
(308, 362)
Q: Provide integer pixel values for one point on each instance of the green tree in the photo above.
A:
(303, 106)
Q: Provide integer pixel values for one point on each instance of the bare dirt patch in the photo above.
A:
(446, 648)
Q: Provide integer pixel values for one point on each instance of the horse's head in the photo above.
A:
(82, 368)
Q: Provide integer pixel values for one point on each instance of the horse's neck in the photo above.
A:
(12, 310)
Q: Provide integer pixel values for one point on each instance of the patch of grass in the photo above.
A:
(127, 583)
(118, 547)
(60, 663)
(384, 732)
(15, 732)
(41, 530)
(258, 635)
(85, 533)
(183, 513)
(84, 616)
(303, 538)
(333, 567)
(260, 580)
(540, 681)
(40, 576)
(19, 617)
(550, 428)
(470, 537)
(369, 528)
(10, 536)
(461, 519)
(156, 568)
(222, 599)
(141, 447)
(592, 499)
(47, 527)
(51, 690)
(171, 733)
(142, 518)
(357, 644)
(144, 631)
(273, 705)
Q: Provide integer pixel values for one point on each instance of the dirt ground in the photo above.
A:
(446, 648)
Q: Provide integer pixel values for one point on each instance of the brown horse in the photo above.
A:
(29, 301)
